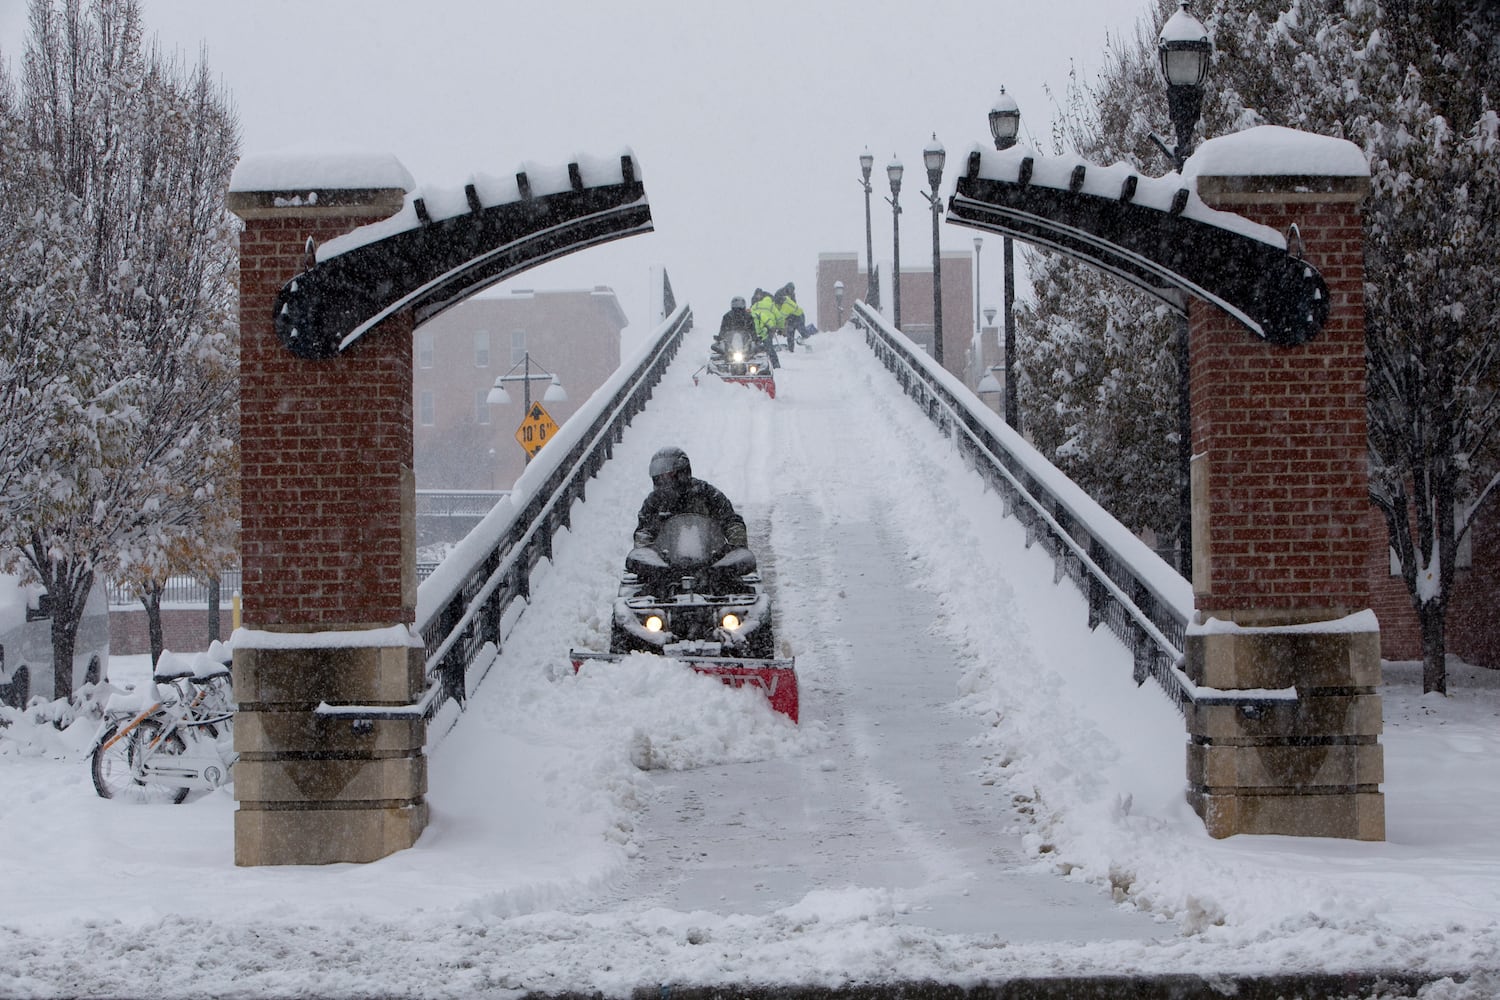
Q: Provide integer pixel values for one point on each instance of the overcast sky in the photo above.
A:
(747, 120)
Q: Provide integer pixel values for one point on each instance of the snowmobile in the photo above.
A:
(692, 597)
(738, 359)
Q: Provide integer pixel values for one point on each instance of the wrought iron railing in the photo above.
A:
(1143, 601)
(466, 603)
(178, 590)
(457, 503)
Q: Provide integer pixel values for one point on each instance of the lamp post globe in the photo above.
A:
(933, 157)
(1184, 50)
(867, 164)
(893, 172)
(1005, 120)
(838, 299)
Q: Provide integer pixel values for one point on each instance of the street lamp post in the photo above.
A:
(838, 300)
(978, 330)
(933, 157)
(872, 295)
(1184, 51)
(554, 394)
(1005, 123)
(894, 170)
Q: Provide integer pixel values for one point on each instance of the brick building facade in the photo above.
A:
(916, 300)
(464, 443)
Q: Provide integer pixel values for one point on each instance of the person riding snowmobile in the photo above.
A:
(674, 491)
(736, 320)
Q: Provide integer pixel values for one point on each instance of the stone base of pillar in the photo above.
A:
(325, 836)
(319, 790)
(1308, 768)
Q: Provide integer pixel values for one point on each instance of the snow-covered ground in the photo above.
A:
(977, 790)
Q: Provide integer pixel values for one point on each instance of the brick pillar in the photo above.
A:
(328, 549)
(1280, 516)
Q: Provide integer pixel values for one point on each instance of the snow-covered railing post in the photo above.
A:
(1281, 513)
(339, 261)
(328, 547)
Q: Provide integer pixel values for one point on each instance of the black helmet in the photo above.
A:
(738, 302)
(790, 289)
(670, 464)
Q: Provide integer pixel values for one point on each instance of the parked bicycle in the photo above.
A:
(182, 742)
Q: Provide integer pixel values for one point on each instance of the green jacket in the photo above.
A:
(767, 316)
(786, 309)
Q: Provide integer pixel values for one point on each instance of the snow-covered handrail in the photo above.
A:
(1146, 604)
(465, 607)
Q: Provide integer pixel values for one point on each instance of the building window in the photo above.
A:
(424, 348)
(481, 348)
(481, 406)
(425, 415)
(517, 346)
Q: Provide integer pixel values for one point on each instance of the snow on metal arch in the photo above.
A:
(1164, 250)
(428, 264)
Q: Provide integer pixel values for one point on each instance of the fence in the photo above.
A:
(1129, 588)
(179, 590)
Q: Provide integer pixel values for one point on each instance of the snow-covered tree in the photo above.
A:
(1096, 358)
(1413, 83)
(144, 148)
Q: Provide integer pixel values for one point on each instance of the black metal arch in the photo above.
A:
(435, 265)
(1162, 252)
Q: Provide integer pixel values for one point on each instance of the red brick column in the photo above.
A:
(326, 447)
(1280, 541)
(328, 549)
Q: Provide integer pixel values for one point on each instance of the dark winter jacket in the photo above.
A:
(697, 497)
(737, 319)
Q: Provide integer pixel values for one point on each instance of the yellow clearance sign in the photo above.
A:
(535, 430)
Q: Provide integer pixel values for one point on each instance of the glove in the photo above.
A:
(643, 539)
(734, 534)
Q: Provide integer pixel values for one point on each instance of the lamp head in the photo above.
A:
(894, 170)
(1005, 120)
(866, 163)
(1184, 49)
(933, 157)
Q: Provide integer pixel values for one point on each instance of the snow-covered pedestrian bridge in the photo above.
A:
(1274, 674)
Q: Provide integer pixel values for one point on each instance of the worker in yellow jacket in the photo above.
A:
(767, 321)
(789, 313)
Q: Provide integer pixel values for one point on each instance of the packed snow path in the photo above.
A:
(885, 794)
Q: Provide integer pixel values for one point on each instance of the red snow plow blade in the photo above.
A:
(763, 380)
(776, 679)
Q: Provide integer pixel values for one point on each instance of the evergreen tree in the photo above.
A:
(1413, 83)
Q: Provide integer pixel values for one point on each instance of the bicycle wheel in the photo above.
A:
(116, 770)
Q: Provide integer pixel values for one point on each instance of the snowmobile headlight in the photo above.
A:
(738, 356)
(653, 623)
(730, 621)
(754, 369)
